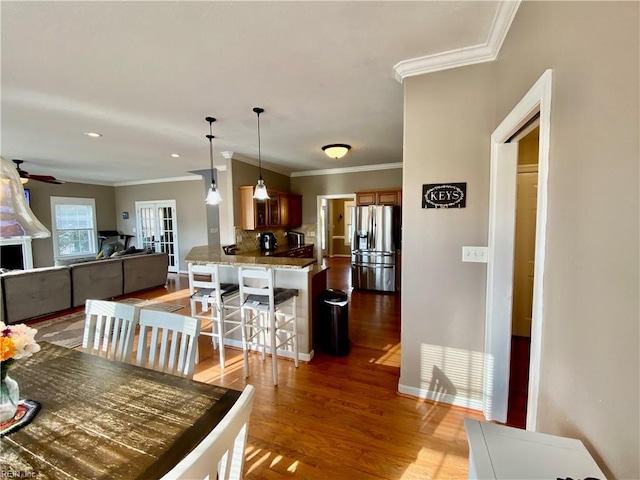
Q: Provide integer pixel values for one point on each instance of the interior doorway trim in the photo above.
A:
(346, 196)
(497, 333)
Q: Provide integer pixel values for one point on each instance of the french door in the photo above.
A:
(158, 229)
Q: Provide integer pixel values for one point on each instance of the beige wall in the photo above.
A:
(590, 370)
(449, 117)
(218, 217)
(312, 186)
(41, 194)
(190, 206)
(593, 207)
(246, 174)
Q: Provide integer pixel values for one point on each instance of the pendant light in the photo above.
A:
(260, 192)
(17, 218)
(213, 197)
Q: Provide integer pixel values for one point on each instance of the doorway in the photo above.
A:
(523, 273)
(501, 248)
(334, 214)
(157, 225)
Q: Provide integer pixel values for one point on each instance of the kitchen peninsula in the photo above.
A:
(303, 274)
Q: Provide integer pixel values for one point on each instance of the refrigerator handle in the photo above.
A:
(374, 229)
(370, 232)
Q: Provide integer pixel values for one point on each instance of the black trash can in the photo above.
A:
(336, 322)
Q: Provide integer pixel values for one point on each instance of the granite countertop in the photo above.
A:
(214, 254)
(275, 251)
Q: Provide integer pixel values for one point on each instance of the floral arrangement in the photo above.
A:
(16, 342)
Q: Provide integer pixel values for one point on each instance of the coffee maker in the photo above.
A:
(268, 241)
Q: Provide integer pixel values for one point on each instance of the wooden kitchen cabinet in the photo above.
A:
(389, 197)
(282, 210)
(290, 210)
(379, 197)
(365, 198)
(273, 210)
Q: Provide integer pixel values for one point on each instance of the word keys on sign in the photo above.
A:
(444, 195)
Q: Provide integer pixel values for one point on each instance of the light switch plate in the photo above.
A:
(474, 254)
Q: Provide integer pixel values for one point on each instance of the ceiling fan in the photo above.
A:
(26, 176)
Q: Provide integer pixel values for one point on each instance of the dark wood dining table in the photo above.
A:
(103, 419)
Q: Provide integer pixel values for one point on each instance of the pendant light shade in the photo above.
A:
(260, 192)
(17, 219)
(213, 196)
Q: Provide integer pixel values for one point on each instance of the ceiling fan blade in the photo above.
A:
(45, 178)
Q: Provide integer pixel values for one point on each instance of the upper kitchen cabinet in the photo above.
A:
(282, 210)
(290, 210)
(379, 197)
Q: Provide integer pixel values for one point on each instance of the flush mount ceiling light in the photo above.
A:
(213, 197)
(260, 192)
(93, 134)
(336, 150)
(175, 155)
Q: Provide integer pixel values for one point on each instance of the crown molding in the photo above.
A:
(337, 171)
(190, 178)
(485, 52)
(265, 165)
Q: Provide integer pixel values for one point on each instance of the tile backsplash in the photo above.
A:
(248, 239)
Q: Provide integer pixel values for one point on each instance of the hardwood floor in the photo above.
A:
(339, 417)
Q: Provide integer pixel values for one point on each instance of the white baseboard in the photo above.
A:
(458, 401)
(305, 357)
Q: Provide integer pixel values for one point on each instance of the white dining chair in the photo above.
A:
(221, 452)
(211, 302)
(109, 329)
(269, 316)
(167, 342)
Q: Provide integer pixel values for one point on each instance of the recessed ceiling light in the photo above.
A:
(93, 134)
(175, 155)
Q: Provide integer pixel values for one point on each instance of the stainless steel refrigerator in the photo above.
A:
(375, 240)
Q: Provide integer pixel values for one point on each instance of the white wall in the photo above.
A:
(590, 373)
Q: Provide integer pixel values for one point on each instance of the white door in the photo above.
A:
(502, 209)
(158, 229)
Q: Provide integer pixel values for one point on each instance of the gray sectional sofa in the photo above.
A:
(36, 292)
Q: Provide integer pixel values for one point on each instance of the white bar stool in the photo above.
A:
(268, 315)
(210, 301)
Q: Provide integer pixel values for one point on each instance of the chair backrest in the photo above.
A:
(167, 342)
(211, 272)
(256, 281)
(222, 451)
(109, 329)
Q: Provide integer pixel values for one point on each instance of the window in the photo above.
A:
(73, 226)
